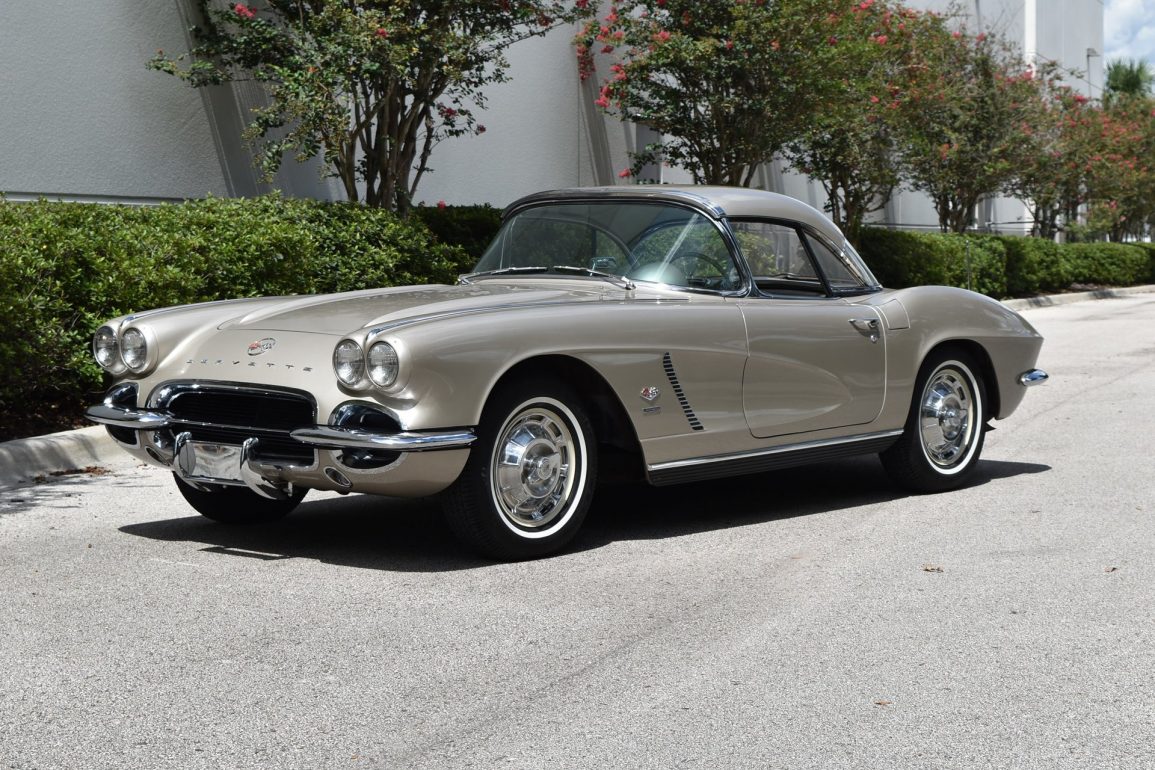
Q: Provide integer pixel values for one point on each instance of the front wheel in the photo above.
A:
(530, 477)
(238, 505)
(943, 436)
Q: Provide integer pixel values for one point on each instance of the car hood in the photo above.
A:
(343, 313)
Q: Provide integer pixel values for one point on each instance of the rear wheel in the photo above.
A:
(238, 505)
(530, 477)
(943, 437)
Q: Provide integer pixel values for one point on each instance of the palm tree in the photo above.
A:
(1128, 78)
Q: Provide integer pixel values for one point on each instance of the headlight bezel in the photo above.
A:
(389, 362)
(134, 364)
(349, 356)
(107, 355)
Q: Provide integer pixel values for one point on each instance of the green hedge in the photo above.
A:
(1111, 264)
(66, 267)
(900, 258)
(470, 227)
(1002, 266)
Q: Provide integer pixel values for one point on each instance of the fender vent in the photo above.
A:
(672, 376)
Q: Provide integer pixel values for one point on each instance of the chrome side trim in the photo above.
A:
(1033, 377)
(126, 417)
(820, 444)
(330, 437)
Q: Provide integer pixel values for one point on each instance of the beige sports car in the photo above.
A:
(680, 333)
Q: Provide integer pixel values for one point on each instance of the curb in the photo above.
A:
(23, 460)
(1051, 300)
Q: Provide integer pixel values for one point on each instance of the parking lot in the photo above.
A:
(814, 617)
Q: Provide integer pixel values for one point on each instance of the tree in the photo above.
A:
(848, 144)
(961, 123)
(726, 83)
(1052, 178)
(369, 85)
(1128, 78)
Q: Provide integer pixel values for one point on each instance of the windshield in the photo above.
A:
(653, 242)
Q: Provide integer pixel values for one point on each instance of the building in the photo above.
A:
(83, 119)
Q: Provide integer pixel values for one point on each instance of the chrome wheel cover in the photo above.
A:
(537, 470)
(948, 417)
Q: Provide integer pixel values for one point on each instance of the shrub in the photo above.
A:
(900, 258)
(66, 267)
(1107, 264)
(470, 227)
(1035, 265)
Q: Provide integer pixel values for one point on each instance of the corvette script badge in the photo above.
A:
(261, 346)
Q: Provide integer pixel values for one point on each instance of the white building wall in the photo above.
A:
(82, 116)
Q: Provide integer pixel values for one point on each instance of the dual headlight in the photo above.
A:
(352, 364)
(118, 352)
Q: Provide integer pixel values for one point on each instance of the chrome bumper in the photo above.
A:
(1033, 377)
(321, 436)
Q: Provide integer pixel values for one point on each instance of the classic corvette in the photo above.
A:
(681, 333)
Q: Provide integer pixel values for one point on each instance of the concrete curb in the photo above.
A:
(22, 460)
(1051, 300)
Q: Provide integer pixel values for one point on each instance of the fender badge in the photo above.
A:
(650, 393)
(261, 346)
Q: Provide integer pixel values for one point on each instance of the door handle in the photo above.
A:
(866, 326)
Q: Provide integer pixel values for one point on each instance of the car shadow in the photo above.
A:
(410, 535)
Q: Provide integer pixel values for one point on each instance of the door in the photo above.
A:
(815, 361)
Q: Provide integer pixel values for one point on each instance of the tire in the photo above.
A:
(238, 505)
(943, 437)
(530, 477)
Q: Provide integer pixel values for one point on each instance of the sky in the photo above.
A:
(1129, 30)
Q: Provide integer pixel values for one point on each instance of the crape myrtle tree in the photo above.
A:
(1053, 177)
(369, 85)
(962, 118)
(725, 82)
(1121, 179)
(848, 143)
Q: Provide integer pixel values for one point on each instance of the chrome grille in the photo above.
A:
(230, 414)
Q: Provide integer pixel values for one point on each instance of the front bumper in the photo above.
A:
(343, 459)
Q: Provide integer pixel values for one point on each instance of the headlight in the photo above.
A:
(105, 349)
(349, 362)
(134, 349)
(383, 364)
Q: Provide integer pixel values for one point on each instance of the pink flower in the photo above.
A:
(624, 174)
(381, 32)
(242, 10)
(881, 39)
(440, 204)
(874, 100)
(662, 36)
(607, 49)
(602, 101)
(583, 4)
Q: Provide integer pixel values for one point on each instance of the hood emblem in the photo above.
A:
(261, 346)
(650, 393)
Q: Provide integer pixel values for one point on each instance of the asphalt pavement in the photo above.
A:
(815, 617)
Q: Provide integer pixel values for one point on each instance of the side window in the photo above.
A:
(835, 267)
(778, 259)
(690, 253)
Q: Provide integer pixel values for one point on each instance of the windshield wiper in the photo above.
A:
(502, 271)
(618, 280)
